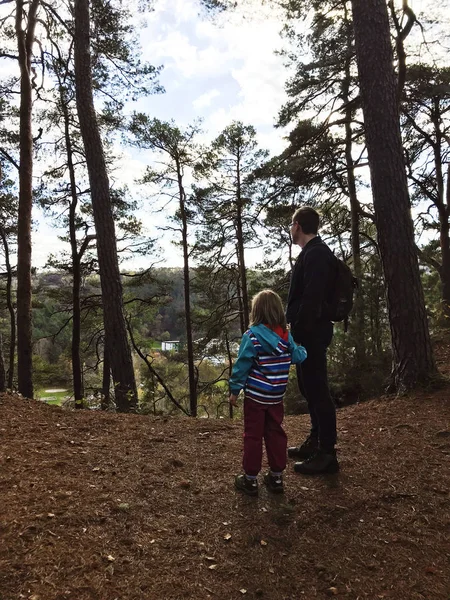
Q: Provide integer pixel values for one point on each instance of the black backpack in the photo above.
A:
(340, 298)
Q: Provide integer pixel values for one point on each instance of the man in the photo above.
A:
(311, 282)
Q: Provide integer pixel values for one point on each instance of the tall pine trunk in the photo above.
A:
(106, 379)
(357, 321)
(187, 297)
(112, 297)
(443, 207)
(240, 249)
(2, 367)
(77, 375)
(10, 307)
(242, 322)
(445, 250)
(412, 352)
(25, 40)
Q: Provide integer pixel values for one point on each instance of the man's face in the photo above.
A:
(295, 232)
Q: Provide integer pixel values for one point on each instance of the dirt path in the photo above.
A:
(103, 506)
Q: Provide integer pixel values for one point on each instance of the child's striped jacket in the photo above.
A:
(262, 366)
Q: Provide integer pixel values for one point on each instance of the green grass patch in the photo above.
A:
(221, 384)
(50, 396)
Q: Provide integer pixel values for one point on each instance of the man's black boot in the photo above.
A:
(305, 450)
(322, 462)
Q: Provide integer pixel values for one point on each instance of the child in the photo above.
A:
(261, 370)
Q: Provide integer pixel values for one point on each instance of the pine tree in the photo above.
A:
(115, 327)
(179, 152)
(412, 352)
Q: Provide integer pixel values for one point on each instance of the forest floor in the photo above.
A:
(100, 506)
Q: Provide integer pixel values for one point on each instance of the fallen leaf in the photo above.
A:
(50, 515)
(110, 558)
(210, 558)
(332, 591)
(243, 591)
(272, 571)
(431, 570)
(227, 536)
(263, 543)
(96, 469)
(212, 567)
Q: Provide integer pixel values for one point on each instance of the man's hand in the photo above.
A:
(233, 399)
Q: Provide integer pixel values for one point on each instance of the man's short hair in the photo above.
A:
(307, 218)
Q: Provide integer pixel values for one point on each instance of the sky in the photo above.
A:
(219, 70)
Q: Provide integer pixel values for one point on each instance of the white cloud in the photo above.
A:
(232, 55)
(205, 99)
(220, 70)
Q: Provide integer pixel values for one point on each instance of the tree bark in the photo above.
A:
(357, 321)
(444, 232)
(242, 322)
(240, 248)
(230, 367)
(2, 368)
(10, 306)
(187, 296)
(412, 352)
(77, 374)
(106, 380)
(112, 296)
(443, 207)
(25, 40)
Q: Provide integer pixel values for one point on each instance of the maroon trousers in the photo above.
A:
(263, 421)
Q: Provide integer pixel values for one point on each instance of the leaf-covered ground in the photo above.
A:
(102, 507)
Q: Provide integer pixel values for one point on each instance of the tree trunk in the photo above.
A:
(10, 306)
(412, 352)
(112, 296)
(230, 367)
(2, 368)
(106, 381)
(240, 247)
(25, 40)
(444, 231)
(77, 374)
(443, 207)
(240, 302)
(357, 320)
(187, 297)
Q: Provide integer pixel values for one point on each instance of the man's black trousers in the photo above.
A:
(313, 383)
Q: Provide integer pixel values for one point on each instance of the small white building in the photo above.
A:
(170, 345)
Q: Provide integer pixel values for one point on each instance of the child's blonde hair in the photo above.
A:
(267, 309)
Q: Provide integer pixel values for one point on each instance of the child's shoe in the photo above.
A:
(274, 483)
(246, 485)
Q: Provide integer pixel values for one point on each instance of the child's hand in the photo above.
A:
(233, 399)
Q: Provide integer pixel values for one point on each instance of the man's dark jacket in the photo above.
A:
(311, 283)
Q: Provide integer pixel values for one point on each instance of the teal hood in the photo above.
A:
(268, 339)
